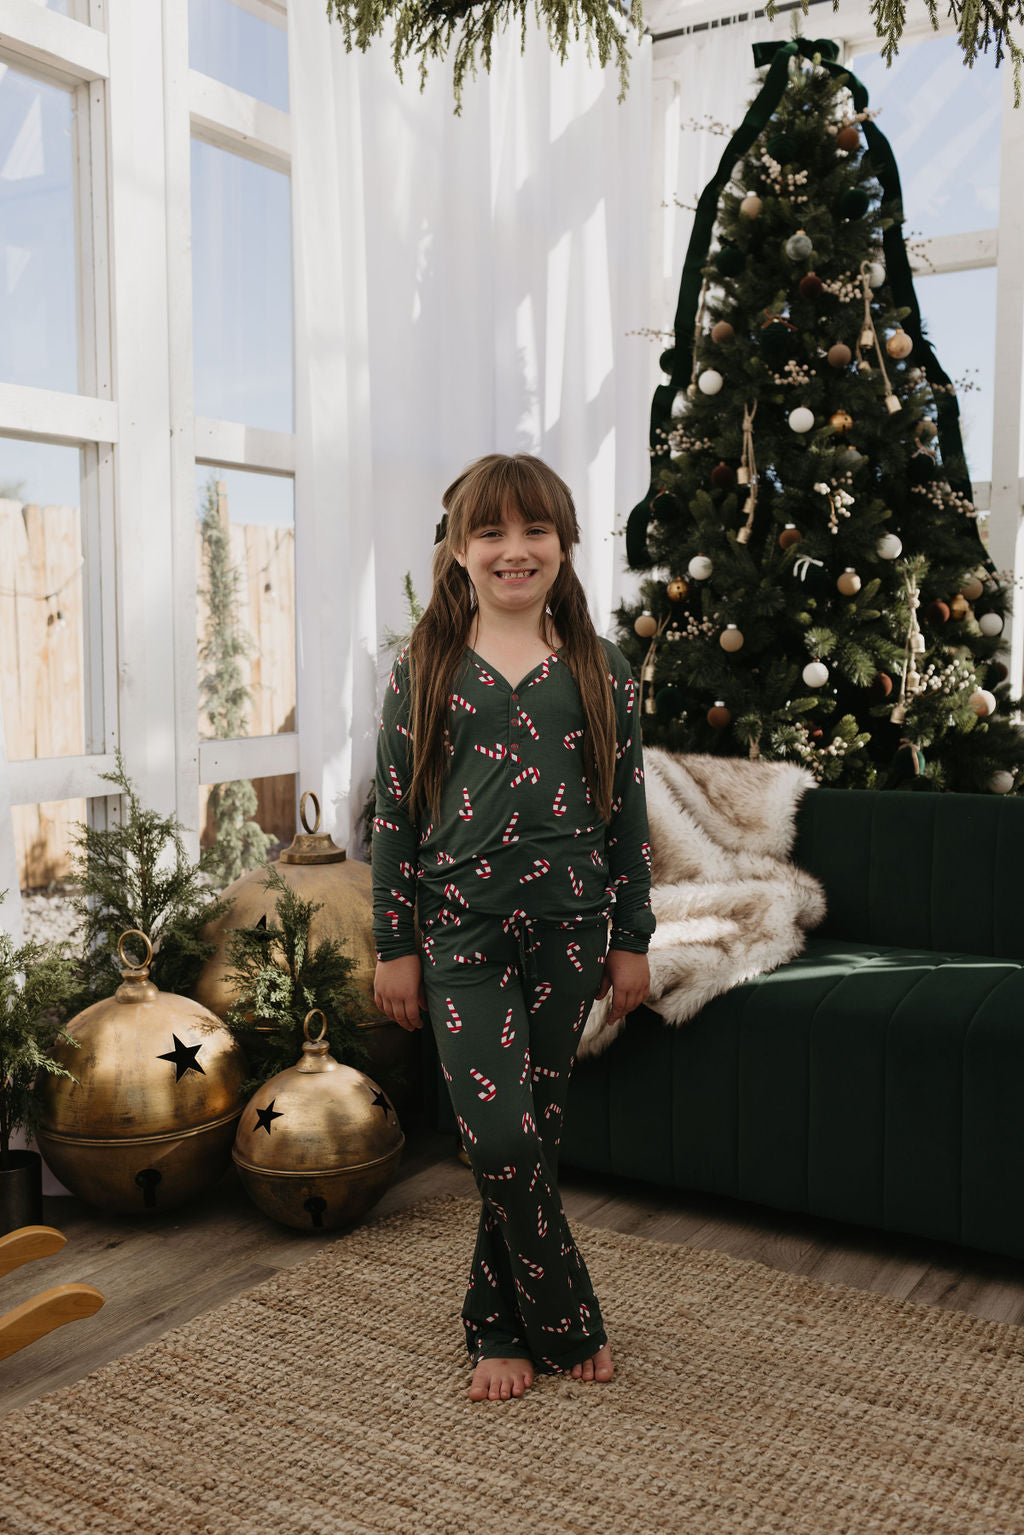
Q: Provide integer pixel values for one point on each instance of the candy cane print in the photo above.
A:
(497, 752)
(533, 1181)
(617, 804)
(582, 1014)
(526, 1067)
(577, 884)
(573, 952)
(584, 831)
(563, 1326)
(407, 869)
(507, 975)
(393, 685)
(596, 859)
(506, 835)
(453, 893)
(466, 813)
(483, 868)
(467, 1132)
(630, 694)
(398, 896)
(531, 773)
(448, 918)
(623, 749)
(379, 824)
(508, 1033)
(540, 868)
(558, 808)
(638, 775)
(569, 741)
(524, 719)
(543, 1071)
(584, 1312)
(523, 1290)
(488, 1275)
(542, 1225)
(529, 1124)
(552, 1110)
(512, 919)
(506, 1175)
(454, 1022)
(395, 919)
(533, 1269)
(446, 1073)
(426, 834)
(541, 993)
(645, 853)
(428, 948)
(444, 858)
(487, 1087)
(499, 1211)
(396, 782)
(456, 701)
(484, 676)
(476, 958)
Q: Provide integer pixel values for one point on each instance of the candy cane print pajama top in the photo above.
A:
(514, 882)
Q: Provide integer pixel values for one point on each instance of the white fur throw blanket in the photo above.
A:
(729, 905)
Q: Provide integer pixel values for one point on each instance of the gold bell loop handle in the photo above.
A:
(314, 1012)
(131, 964)
(302, 811)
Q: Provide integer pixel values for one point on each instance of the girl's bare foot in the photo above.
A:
(495, 1380)
(600, 1367)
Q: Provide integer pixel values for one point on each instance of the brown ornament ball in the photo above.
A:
(880, 686)
(840, 356)
(751, 206)
(899, 344)
(719, 716)
(645, 624)
(721, 332)
(997, 672)
(972, 589)
(723, 476)
(926, 429)
(811, 286)
(731, 638)
(937, 612)
(840, 421)
(849, 582)
(789, 536)
(959, 607)
(848, 138)
(678, 589)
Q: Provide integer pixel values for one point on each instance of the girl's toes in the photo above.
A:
(576, 1372)
(588, 1369)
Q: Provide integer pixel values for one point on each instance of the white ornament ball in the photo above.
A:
(710, 381)
(990, 625)
(815, 674)
(1001, 782)
(889, 547)
(700, 567)
(679, 404)
(982, 701)
(801, 419)
(876, 274)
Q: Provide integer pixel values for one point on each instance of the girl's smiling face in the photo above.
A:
(512, 562)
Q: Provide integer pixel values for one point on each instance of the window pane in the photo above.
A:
(38, 327)
(42, 626)
(942, 120)
(249, 52)
(959, 313)
(242, 289)
(246, 559)
(272, 805)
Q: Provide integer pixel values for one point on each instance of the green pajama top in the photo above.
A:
(518, 834)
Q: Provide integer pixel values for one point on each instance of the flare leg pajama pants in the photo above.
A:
(507, 1010)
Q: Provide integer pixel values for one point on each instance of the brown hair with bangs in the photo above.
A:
(476, 499)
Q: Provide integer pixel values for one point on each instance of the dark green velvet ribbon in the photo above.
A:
(777, 57)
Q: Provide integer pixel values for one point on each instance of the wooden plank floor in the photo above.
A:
(158, 1273)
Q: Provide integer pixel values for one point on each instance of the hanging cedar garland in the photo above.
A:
(428, 31)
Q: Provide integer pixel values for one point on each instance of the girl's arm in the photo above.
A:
(398, 981)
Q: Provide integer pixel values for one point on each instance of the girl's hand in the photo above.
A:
(629, 978)
(398, 990)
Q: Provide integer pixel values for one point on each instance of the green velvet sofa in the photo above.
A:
(879, 1077)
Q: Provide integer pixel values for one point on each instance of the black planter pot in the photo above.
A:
(21, 1191)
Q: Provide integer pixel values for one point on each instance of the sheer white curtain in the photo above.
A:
(464, 285)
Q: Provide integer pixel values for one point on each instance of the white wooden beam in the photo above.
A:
(232, 120)
(45, 779)
(243, 447)
(48, 41)
(273, 11)
(249, 757)
(953, 253)
(45, 415)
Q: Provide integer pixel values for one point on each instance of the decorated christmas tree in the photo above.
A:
(819, 591)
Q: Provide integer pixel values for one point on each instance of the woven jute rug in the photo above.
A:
(332, 1398)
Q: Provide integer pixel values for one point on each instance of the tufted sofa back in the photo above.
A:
(928, 871)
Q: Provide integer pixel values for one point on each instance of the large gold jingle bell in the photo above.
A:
(150, 1122)
(319, 1143)
(318, 871)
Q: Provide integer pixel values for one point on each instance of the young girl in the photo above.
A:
(511, 813)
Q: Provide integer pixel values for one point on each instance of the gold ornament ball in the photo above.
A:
(718, 715)
(972, 589)
(751, 206)
(839, 355)
(899, 344)
(731, 638)
(849, 582)
(840, 421)
(721, 332)
(959, 607)
(645, 624)
(678, 589)
(982, 702)
(789, 536)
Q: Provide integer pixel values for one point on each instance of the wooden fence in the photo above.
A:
(43, 665)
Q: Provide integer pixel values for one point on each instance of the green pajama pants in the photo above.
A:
(507, 1002)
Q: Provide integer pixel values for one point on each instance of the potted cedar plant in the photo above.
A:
(36, 984)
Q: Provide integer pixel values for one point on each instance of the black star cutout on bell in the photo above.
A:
(264, 1116)
(184, 1058)
(381, 1102)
